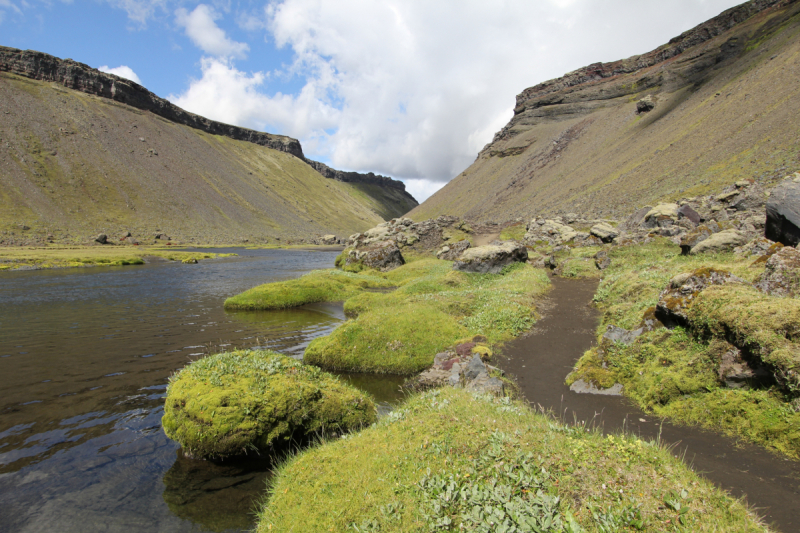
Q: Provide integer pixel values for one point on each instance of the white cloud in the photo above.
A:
(139, 11)
(229, 95)
(422, 189)
(123, 71)
(414, 89)
(201, 28)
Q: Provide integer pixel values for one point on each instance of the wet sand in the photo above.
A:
(541, 360)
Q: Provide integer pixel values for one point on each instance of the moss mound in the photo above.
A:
(433, 307)
(317, 286)
(452, 461)
(232, 403)
(678, 373)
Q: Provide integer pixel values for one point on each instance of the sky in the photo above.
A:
(405, 88)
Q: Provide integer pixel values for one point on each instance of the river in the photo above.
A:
(85, 355)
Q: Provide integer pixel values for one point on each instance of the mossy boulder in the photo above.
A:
(232, 403)
(678, 297)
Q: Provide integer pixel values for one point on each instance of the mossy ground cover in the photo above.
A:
(57, 256)
(317, 286)
(399, 332)
(448, 460)
(233, 403)
(513, 233)
(674, 373)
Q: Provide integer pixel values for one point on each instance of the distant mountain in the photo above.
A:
(84, 152)
(719, 103)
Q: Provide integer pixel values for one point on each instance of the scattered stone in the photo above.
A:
(675, 300)
(604, 231)
(750, 199)
(723, 241)
(491, 259)
(760, 246)
(783, 214)
(383, 256)
(601, 260)
(102, 238)
(451, 252)
(582, 387)
(690, 214)
(552, 232)
(781, 277)
(645, 105)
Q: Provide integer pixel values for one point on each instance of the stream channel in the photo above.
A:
(541, 359)
(85, 355)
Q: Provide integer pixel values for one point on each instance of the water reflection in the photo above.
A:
(85, 355)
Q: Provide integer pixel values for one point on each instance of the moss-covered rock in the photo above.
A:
(233, 403)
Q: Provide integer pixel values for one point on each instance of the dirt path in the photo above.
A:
(484, 238)
(542, 359)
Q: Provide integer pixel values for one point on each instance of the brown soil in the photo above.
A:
(541, 360)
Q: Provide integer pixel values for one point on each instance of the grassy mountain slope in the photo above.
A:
(74, 165)
(727, 103)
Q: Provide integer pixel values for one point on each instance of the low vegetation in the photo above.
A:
(448, 460)
(82, 256)
(232, 403)
(316, 286)
(399, 332)
(675, 373)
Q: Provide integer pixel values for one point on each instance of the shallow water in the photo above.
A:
(84, 359)
(541, 361)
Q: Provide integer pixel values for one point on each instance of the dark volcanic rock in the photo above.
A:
(491, 259)
(102, 238)
(381, 256)
(781, 277)
(783, 213)
(675, 300)
(687, 212)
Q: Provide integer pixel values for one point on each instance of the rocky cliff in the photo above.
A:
(716, 104)
(83, 78)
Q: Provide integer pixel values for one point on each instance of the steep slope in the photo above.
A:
(726, 107)
(82, 160)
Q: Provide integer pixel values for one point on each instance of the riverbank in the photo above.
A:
(16, 258)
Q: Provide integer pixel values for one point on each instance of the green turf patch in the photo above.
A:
(233, 403)
(448, 460)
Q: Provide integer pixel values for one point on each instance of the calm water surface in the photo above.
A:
(84, 359)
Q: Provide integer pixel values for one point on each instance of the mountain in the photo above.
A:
(84, 152)
(717, 104)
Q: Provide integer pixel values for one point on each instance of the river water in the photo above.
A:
(85, 355)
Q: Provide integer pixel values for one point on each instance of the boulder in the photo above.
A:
(781, 277)
(737, 373)
(601, 260)
(724, 241)
(675, 300)
(661, 215)
(636, 220)
(686, 211)
(329, 239)
(761, 246)
(551, 231)
(102, 238)
(645, 105)
(751, 198)
(492, 258)
(604, 231)
(582, 387)
(451, 252)
(621, 335)
(383, 256)
(783, 213)
(693, 238)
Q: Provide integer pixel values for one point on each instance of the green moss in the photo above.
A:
(448, 460)
(401, 331)
(513, 233)
(675, 373)
(317, 286)
(236, 402)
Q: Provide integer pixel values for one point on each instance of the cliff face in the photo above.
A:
(80, 77)
(715, 104)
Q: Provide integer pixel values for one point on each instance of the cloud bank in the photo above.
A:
(413, 89)
(122, 71)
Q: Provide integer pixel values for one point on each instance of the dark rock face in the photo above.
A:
(383, 256)
(687, 212)
(491, 259)
(783, 214)
(781, 277)
(675, 300)
(737, 373)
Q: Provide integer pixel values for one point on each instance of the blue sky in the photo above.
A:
(407, 88)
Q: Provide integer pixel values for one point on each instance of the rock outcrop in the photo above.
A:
(675, 300)
(783, 212)
(382, 255)
(781, 276)
(491, 259)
